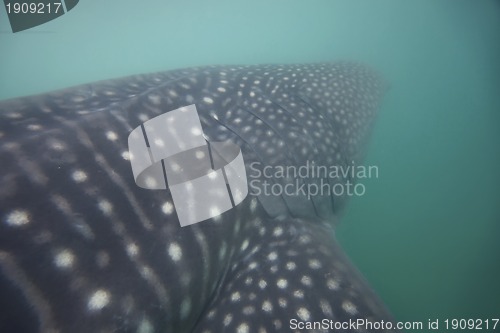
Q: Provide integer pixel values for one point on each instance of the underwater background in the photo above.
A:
(426, 234)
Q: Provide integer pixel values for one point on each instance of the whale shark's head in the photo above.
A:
(83, 248)
(292, 118)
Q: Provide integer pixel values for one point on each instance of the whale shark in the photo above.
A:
(83, 248)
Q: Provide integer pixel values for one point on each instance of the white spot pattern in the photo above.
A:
(17, 218)
(175, 252)
(98, 300)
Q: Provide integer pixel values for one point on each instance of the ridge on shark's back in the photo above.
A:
(83, 248)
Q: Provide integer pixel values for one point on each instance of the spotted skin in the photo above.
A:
(83, 249)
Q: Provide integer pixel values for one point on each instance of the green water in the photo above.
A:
(426, 233)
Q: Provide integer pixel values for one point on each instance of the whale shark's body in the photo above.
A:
(84, 249)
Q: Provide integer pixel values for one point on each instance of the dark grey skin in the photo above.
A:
(84, 249)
